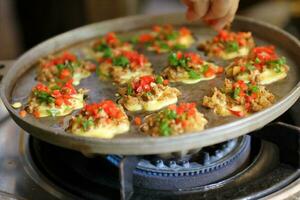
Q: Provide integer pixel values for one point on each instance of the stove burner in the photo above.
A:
(209, 165)
(68, 174)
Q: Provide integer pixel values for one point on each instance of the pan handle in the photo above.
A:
(4, 66)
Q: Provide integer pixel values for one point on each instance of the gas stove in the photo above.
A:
(263, 164)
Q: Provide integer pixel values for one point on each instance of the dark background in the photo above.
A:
(24, 23)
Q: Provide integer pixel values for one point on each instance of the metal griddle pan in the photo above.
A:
(20, 78)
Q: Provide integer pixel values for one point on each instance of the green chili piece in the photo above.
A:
(164, 128)
(173, 61)
(231, 47)
(121, 61)
(159, 80)
(129, 90)
(193, 74)
(87, 123)
(236, 93)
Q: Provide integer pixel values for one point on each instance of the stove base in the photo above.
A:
(74, 175)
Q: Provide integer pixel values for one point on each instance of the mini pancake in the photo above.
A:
(228, 45)
(162, 39)
(102, 120)
(54, 100)
(64, 67)
(239, 99)
(262, 66)
(124, 67)
(174, 120)
(106, 46)
(189, 68)
(148, 93)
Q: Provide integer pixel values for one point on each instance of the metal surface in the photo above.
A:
(19, 80)
(4, 66)
(14, 178)
(291, 192)
(126, 168)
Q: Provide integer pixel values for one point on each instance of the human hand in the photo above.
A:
(216, 13)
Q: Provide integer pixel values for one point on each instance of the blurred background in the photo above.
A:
(25, 23)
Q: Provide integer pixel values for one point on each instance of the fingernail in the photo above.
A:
(190, 15)
(211, 22)
(218, 26)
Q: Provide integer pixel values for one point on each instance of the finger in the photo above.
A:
(188, 3)
(190, 14)
(201, 7)
(211, 22)
(228, 18)
(221, 23)
(219, 9)
(196, 9)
